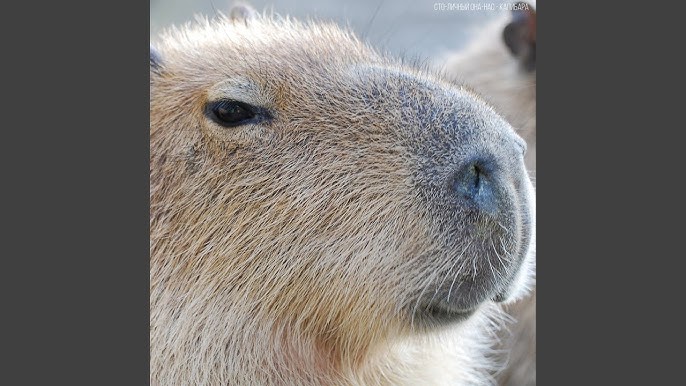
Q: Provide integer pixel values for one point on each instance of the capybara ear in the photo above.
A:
(155, 60)
(241, 11)
(520, 34)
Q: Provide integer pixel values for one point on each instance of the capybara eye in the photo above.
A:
(230, 113)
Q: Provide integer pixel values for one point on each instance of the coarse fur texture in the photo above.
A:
(332, 241)
(493, 70)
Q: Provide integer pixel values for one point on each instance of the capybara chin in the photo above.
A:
(322, 214)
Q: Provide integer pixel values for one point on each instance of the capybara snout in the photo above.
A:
(470, 176)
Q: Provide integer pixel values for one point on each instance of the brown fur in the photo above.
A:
(297, 252)
(488, 67)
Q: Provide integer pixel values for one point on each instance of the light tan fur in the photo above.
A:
(487, 66)
(291, 253)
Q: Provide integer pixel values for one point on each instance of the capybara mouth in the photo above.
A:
(435, 315)
(484, 260)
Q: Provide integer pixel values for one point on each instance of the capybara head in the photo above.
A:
(313, 200)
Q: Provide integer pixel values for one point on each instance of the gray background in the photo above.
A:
(403, 27)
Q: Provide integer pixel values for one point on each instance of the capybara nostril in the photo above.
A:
(473, 183)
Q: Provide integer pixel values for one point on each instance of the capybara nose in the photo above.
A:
(474, 183)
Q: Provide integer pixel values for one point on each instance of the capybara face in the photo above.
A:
(307, 189)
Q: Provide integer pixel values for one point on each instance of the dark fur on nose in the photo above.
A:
(473, 183)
